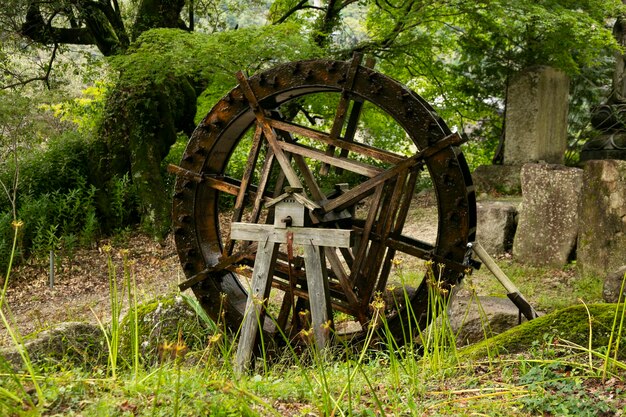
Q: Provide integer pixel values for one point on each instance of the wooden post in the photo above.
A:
(270, 237)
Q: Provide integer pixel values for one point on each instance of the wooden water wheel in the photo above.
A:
(305, 125)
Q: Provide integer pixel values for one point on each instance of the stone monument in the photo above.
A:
(535, 128)
(536, 117)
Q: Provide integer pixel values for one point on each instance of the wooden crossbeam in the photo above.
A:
(360, 148)
(268, 131)
(349, 164)
(366, 188)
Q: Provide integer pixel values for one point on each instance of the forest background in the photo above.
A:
(97, 96)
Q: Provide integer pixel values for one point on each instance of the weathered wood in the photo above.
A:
(270, 134)
(359, 258)
(317, 286)
(260, 286)
(342, 107)
(185, 173)
(364, 189)
(407, 196)
(419, 249)
(221, 265)
(386, 224)
(245, 182)
(302, 235)
(344, 280)
(349, 164)
(360, 148)
(266, 170)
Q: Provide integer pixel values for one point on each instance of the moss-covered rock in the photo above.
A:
(571, 324)
(161, 322)
(74, 343)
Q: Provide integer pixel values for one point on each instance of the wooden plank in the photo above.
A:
(243, 186)
(407, 196)
(349, 164)
(418, 249)
(260, 286)
(221, 265)
(344, 280)
(337, 303)
(385, 226)
(301, 235)
(247, 175)
(185, 173)
(360, 148)
(342, 107)
(367, 279)
(364, 189)
(317, 283)
(359, 258)
(353, 123)
(266, 170)
(270, 134)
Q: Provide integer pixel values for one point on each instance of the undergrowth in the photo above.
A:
(425, 375)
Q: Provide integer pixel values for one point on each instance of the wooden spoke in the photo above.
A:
(398, 225)
(351, 165)
(221, 265)
(269, 132)
(359, 148)
(264, 178)
(365, 189)
(245, 183)
(342, 108)
(385, 225)
(365, 235)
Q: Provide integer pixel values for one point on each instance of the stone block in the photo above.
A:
(536, 117)
(548, 220)
(472, 322)
(496, 225)
(602, 217)
(497, 179)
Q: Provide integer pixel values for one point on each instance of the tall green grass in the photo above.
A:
(426, 374)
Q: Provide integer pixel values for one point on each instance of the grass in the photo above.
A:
(552, 376)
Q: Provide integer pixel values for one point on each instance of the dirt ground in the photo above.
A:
(81, 284)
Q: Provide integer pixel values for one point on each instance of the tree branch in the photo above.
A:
(301, 5)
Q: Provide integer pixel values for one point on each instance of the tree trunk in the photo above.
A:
(141, 124)
(158, 14)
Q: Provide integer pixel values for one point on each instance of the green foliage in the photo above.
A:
(557, 393)
(210, 59)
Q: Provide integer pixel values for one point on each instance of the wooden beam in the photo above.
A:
(360, 148)
(349, 164)
(364, 189)
(301, 235)
(270, 134)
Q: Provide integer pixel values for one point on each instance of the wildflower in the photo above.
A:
(378, 304)
(17, 224)
(215, 338)
(106, 248)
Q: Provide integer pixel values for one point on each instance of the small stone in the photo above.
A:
(472, 322)
(613, 285)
